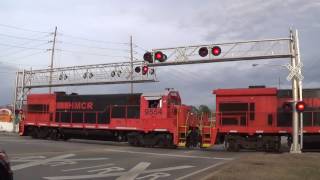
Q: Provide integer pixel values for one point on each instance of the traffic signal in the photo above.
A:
(300, 106)
(216, 50)
(148, 57)
(160, 56)
(145, 70)
(137, 69)
(203, 51)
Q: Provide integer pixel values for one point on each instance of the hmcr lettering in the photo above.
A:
(75, 105)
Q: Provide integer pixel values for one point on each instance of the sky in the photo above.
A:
(98, 31)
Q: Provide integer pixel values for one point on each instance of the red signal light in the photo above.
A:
(158, 55)
(145, 70)
(203, 51)
(216, 50)
(300, 106)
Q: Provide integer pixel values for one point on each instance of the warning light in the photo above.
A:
(145, 70)
(203, 51)
(300, 106)
(137, 69)
(216, 50)
(148, 57)
(160, 56)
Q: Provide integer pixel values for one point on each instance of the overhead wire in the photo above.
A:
(22, 29)
(86, 53)
(93, 47)
(92, 40)
(24, 49)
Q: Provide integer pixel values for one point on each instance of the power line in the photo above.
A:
(21, 47)
(92, 54)
(23, 50)
(20, 37)
(22, 29)
(27, 42)
(93, 47)
(92, 40)
(140, 48)
(21, 57)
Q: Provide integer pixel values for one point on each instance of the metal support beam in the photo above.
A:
(97, 74)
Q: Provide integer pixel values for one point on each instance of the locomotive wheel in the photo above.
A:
(232, 146)
(35, 133)
(54, 134)
(43, 133)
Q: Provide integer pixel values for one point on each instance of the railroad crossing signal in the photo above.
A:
(295, 72)
(300, 106)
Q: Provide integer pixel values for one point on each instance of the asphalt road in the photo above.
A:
(33, 159)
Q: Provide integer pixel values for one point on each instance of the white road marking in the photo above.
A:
(90, 167)
(154, 176)
(39, 162)
(135, 171)
(91, 176)
(200, 171)
(169, 155)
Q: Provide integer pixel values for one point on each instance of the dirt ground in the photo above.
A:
(271, 166)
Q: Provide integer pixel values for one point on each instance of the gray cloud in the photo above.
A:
(171, 23)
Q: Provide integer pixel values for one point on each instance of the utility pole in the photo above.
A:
(52, 56)
(131, 63)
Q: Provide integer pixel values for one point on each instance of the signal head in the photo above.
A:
(137, 69)
(148, 57)
(203, 51)
(160, 56)
(216, 50)
(300, 106)
(145, 70)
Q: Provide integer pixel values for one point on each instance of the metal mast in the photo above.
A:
(52, 56)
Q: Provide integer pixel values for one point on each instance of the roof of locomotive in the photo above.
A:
(306, 93)
(245, 91)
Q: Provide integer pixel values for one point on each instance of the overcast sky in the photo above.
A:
(155, 24)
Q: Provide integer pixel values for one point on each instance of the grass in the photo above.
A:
(271, 166)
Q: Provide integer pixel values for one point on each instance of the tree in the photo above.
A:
(194, 110)
(204, 109)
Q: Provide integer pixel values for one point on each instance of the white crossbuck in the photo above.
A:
(295, 72)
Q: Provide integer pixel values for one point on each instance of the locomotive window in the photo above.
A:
(38, 108)
(133, 112)
(118, 112)
(235, 107)
(90, 118)
(154, 103)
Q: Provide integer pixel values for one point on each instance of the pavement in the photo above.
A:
(86, 159)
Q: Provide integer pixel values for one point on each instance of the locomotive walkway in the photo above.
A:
(81, 159)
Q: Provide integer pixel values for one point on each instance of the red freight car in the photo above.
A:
(149, 119)
(257, 118)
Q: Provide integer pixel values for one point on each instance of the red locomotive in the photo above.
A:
(149, 119)
(248, 118)
(257, 117)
